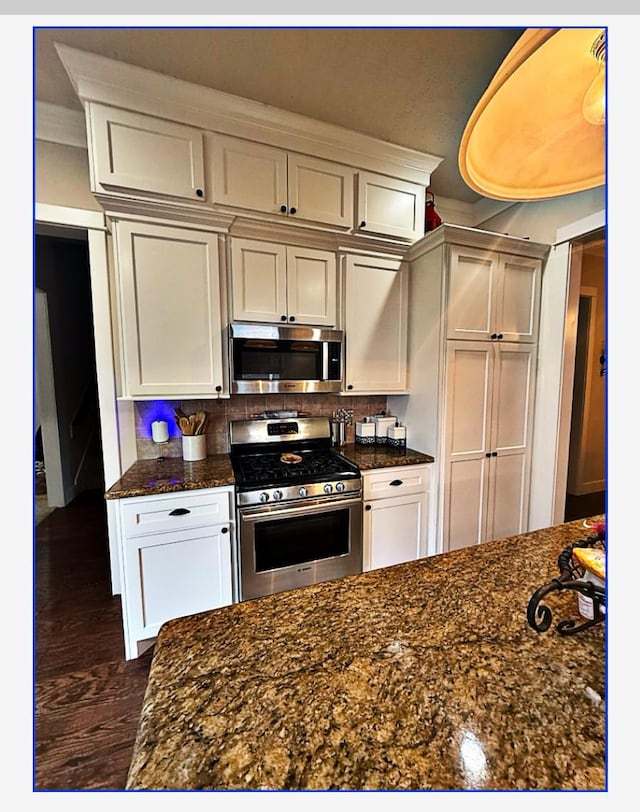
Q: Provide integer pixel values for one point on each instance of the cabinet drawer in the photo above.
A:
(387, 482)
(146, 514)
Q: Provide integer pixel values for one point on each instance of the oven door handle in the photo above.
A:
(256, 513)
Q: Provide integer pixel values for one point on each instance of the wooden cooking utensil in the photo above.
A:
(185, 425)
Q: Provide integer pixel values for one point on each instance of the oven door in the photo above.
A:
(287, 547)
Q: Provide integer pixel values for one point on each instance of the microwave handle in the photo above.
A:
(325, 360)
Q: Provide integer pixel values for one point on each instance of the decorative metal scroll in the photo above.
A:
(539, 615)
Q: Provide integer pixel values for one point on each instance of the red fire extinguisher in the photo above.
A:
(431, 217)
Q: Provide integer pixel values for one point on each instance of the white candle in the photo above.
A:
(159, 431)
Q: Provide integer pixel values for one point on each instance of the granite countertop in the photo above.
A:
(423, 675)
(368, 457)
(149, 477)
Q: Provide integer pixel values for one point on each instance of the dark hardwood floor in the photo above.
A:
(87, 697)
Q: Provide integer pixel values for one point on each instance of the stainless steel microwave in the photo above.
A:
(267, 358)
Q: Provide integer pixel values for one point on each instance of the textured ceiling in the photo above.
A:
(411, 86)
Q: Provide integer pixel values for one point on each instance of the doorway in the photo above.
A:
(67, 438)
(586, 478)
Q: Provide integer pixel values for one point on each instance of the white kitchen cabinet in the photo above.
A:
(395, 515)
(170, 311)
(493, 296)
(176, 553)
(472, 393)
(282, 283)
(489, 399)
(142, 155)
(390, 206)
(375, 324)
(262, 178)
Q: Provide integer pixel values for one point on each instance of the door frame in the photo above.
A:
(560, 300)
(115, 422)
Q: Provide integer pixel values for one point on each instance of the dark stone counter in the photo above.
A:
(424, 675)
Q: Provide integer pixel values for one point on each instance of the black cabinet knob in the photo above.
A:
(218, 389)
(350, 386)
(283, 209)
(494, 454)
(363, 224)
(293, 210)
(494, 336)
(500, 336)
(224, 530)
(367, 507)
(292, 318)
(488, 454)
(283, 318)
(200, 192)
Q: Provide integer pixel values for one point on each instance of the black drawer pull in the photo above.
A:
(395, 482)
(179, 512)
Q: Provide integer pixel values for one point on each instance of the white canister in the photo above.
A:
(194, 447)
(365, 433)
(383, 424)
(397, 436)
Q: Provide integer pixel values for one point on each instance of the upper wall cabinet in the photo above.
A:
(493, 296)
(138, 154)
(282, 283)
(170, 311)
(258, 177)
(390, 206)
(375, 323)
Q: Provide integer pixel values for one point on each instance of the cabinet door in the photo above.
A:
(510, 440)
(169, 290)
(518, 298)
(394, 531)
(320, 190)
(311, 286)
(472, 285)
(468, 401)
(390, 206)
(375, 323)
(145, 154)
(248, 175)
(170, 575)
(258, 281)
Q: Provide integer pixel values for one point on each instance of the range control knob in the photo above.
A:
(328, 487)
(277, 495)
(302, 492)
(340, 487)
(264, 497)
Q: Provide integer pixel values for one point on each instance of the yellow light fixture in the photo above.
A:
(538, 130)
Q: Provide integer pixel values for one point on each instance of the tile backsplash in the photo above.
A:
(239, 407)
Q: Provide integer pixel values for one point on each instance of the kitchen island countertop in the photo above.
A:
(424, 675)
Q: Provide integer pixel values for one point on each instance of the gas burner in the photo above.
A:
(288, 460)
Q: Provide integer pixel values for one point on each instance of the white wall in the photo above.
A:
(62, 176)
(540, 220)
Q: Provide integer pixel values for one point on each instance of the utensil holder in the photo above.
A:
(194, 447)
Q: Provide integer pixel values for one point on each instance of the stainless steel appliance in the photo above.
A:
(298, 505)
(267, 358)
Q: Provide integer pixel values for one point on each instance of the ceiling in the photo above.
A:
(410, 86)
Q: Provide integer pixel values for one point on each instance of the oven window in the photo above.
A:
(301, 539)
(266, 359)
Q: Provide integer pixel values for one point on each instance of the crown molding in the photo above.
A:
(60, 125)
(107, 81)
(472, 237)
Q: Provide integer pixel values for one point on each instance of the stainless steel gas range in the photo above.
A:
(298, 505)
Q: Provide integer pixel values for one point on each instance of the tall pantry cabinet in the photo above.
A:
(474, 312)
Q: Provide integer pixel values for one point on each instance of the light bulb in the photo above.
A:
(594, 102)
